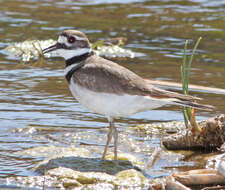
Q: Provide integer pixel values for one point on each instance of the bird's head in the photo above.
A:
(70, 43)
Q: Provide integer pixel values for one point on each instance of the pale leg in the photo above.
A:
(109, 138)
(115, 142)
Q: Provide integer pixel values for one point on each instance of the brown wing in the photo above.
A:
(101, 75)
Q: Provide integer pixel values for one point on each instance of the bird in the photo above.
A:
(106, 88)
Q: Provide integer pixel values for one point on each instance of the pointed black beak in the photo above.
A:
(52, 48)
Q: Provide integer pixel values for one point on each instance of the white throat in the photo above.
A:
(67, 53)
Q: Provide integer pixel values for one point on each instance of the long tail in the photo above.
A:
(194, 105)
(179, 99)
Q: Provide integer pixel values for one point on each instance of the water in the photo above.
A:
(38, 96)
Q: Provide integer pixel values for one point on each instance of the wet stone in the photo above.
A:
(99, 186)
(66, 178)
(62, 173)
(68, 183)
(159, 128)
(80, 177)
(85, 165)
(70, 172)
(127, 157)
(131, 178)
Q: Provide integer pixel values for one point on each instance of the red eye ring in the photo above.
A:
(71, 39)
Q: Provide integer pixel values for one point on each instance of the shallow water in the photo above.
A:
(37, 95)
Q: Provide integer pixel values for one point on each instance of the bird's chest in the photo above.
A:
(94, 101)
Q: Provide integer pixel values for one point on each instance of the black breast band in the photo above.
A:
(76, 60)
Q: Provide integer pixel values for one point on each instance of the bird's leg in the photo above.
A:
(115, 141)
(109, 137)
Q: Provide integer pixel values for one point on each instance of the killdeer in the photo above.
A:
(106, 88)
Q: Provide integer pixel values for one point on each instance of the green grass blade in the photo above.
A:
(185, 73)
(183, 68)
(186, 118)
(184, 81)
(190, 62)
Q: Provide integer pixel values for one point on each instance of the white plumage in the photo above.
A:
(113, 105)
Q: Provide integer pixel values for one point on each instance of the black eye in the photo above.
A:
(71, 39)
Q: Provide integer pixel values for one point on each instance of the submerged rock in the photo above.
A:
(85, 165)
(68, 168)
(159, 128)
(79, 159)
(54, 151)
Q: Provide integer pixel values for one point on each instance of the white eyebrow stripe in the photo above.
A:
(79, 38)
(63, 39)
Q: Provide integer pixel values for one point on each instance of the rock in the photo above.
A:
(66, 178)
(127, 157)
(159, 128)
(67, 183)
(85, 165)
(77, 178)
(131, 178)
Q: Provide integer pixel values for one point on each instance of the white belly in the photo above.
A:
(112, 105)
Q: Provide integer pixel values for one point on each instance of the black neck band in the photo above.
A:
(72, 70)
(77, 59)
